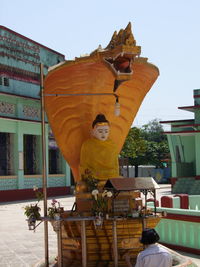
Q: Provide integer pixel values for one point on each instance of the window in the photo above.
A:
(30, 163)
(4, 81)
(6, 155)
(55, 159)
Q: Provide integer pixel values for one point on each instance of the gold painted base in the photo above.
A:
(99, 240)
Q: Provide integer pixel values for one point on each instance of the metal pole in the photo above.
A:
(83, 244)
(44, 165)
(115, 251)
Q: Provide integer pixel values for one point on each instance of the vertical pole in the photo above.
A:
(127, 167)
(115, 252)
(145, 199)
(83, 244)
(155, 202)
(143, 223)
(59, 238)
(44, 168)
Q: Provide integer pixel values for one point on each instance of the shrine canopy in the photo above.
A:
(131, 184)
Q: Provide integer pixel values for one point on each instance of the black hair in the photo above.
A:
(149, 236)
(99, 118)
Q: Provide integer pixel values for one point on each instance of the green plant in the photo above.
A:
(39, 195)
(89, 180)
(54, 209)
(32, 211)
(100, 201)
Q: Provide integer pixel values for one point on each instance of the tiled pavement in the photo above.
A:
(20, 247)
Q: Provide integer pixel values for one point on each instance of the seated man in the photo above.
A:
(153, 255)
(99, 154)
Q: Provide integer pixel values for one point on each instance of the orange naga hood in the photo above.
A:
(77, 90)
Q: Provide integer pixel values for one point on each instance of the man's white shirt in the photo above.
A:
(154, 256)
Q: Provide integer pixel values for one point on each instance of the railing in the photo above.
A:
(180, 229)
(194, 202)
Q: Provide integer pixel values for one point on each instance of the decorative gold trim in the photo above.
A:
(33, 176)
(101, 124)
(56, 175)
(40, 175)
(8, 177)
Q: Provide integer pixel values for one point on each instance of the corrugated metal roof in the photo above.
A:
(131, 184)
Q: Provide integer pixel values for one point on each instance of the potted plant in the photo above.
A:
(32, 211)
(100, 206)
(54, 213)
(55, 210)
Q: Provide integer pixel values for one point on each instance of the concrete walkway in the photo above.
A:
(20, 247)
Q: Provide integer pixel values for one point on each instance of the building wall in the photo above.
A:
(184, 142)
(20, 114)
(182, 150)
(197, 136)
(197, 141)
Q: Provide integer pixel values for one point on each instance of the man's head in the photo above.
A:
(101, 127)
(149, 236)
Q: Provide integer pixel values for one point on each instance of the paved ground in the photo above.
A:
(20, 247)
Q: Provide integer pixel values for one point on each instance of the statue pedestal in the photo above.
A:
(84, 244)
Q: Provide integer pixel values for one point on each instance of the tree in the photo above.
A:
(135, 148)
(158, 148)
(147, 145)
(156, 153)
(153, 131)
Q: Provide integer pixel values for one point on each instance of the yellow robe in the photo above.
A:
(100, 157)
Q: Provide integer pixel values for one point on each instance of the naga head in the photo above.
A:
(120, 53)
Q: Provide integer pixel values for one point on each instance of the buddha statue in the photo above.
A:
(99, 153)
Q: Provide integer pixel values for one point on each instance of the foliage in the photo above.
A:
(33, 211)
(39, 195)
(156, 153)
(100, 201)
(147, 145)
(153, 131)
(135, 147)
(89, 180)
(54, 209)
(157, 149)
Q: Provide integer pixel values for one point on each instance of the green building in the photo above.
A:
(184, 144)
(20, 120)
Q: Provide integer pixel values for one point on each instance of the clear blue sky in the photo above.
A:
(167, 30)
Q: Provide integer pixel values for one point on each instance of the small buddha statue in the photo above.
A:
(99, 153)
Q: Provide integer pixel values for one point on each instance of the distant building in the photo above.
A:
(184, 144)
(20, 120)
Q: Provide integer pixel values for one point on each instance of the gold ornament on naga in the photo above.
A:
(77, 90)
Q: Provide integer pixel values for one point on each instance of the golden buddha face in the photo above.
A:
(101, 132)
